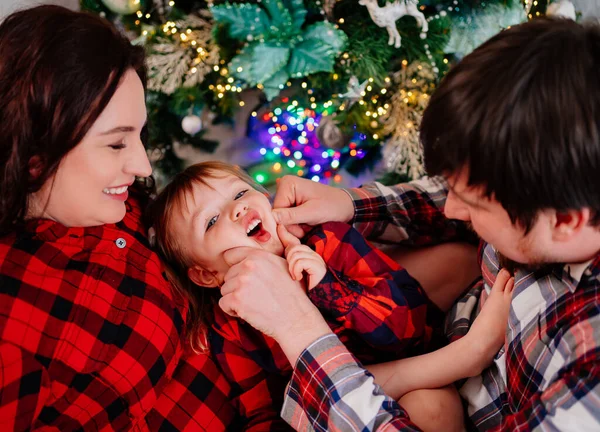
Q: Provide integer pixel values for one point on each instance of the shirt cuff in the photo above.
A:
(329, 389)
(321, 367)
(370, 208)
(336, 295)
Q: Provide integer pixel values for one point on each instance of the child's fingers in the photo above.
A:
(301, 256)
(290, 250)
(287, 239)
(299, 249)
(510, 286)
(300, 266)
(501, 280)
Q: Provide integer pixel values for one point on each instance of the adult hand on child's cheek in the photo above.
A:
(258, 289)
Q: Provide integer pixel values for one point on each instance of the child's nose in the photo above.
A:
(239, 210)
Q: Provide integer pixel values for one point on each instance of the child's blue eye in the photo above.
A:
(241, 194)
(211, 222)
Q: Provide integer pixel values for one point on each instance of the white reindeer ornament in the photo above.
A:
(388, 15)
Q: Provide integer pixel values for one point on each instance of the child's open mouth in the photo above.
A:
(257, 232)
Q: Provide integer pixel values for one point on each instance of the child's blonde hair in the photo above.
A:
(173, 198)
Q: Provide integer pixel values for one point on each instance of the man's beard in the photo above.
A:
(513, 266)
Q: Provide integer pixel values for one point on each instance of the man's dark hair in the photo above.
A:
(521, 114)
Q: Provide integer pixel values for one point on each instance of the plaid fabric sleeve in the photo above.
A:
(196, 398)
(330, 391)
(366, 291)
(571, 401)
(247, 360)
(412, 213)
(25, 386)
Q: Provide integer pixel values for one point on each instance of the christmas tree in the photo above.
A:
(316, 86)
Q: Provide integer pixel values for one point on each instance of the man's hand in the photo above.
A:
(258, 289)
(302, 201)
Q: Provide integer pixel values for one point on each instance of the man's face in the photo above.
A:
(224, 214)
(492, 223)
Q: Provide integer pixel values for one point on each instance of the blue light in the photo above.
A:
(317, 168)
(315, 178)
(291, 163)
(272, 130)
(325, 155)
(263, 151)
(335, 164)
(277, 111)
(276, 150)
(298, 155)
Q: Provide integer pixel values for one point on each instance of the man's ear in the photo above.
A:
(202, 277)
(567, 224)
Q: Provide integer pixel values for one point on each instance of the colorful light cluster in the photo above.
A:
(289, 144)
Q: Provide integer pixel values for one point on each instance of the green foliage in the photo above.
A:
(472, 29)
(279, 44)
(278, 47)
(393, 178)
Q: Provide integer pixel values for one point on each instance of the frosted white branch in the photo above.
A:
(402, 152)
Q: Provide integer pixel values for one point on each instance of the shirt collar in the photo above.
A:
(576, 271)
(86, 237)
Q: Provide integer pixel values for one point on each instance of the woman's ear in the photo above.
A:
(202, 277)
(35, 167)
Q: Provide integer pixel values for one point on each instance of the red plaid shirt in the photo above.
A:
(91, 335)
(375, 307)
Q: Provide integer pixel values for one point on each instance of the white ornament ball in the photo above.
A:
(191, 124)
(561, 9)
(329, 134)
(423, 35)
(122, 7)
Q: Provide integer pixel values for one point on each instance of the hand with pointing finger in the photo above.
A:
(302, 201)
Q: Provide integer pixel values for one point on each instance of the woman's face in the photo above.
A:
(90, 185)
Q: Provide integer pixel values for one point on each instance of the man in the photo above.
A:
(514, 132)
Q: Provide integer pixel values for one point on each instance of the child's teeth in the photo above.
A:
(252, 225)
(115, 191)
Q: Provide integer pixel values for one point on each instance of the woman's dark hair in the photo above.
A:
(521, 114)
(58, 71)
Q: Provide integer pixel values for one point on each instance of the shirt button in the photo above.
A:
(121, 243)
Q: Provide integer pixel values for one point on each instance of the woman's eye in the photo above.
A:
(211, 222)
(241, 194)
(117, 146)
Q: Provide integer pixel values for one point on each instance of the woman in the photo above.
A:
(92, 336)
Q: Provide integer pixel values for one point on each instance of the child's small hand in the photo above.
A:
(487, 332)
(301, 259)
